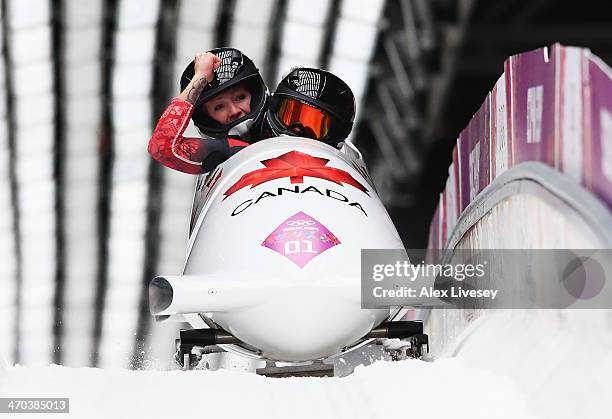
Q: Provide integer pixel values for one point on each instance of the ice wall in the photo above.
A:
(532, 171)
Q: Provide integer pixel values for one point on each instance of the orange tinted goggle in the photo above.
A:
(303, 119)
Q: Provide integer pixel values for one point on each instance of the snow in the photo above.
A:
(446, 388)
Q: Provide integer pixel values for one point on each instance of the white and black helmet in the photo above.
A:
(311, 102)
(235, 68)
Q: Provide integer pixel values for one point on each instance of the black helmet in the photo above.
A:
(314, 103)
(235, 68)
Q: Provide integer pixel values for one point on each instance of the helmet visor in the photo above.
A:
(303, 119)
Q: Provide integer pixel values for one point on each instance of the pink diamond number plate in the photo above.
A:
(300, 238)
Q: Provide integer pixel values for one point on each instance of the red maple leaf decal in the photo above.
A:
(295, 166)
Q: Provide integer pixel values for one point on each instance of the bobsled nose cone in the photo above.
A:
(160, 295)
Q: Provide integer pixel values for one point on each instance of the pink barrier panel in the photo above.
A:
(551, 105)
(442, 231)
(464, 150)
(573, 125)
(434, 232)
(451, 198)
(483, 121)
(599, 160)
(532, 86)
(500, 123)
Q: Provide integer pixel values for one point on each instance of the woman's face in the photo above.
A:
(230, 105)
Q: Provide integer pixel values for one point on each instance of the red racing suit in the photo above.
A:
(190, 155)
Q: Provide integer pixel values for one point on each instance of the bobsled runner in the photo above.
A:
(274, 255)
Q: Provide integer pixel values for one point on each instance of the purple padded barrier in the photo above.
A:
(463, 157)
(457, 170)
(573, 136)
(500, 127)
(473, 146)
(484, 125)
(555, 108)
(599, 160)
(442, 231)
(532, 84)
(434, 235)
(451, 199)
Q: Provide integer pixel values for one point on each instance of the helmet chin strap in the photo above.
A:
(242, 129)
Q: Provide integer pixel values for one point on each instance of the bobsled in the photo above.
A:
(273, 259)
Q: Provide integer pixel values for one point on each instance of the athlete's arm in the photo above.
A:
(190, 155)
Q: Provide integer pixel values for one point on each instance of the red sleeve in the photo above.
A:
(167, 144)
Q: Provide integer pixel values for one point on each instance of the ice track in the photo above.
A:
(446, 388)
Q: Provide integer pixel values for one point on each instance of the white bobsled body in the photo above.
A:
(274, 253)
